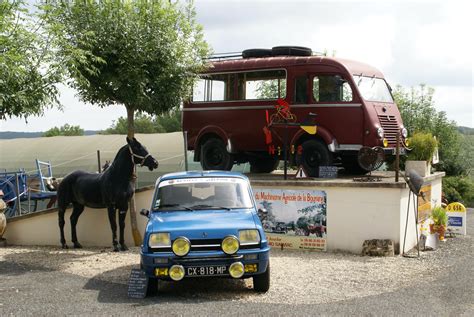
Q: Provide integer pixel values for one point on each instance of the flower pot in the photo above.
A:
(441, 231)
(422, 168)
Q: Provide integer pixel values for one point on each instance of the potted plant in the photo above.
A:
(423, 146)
(440, 221)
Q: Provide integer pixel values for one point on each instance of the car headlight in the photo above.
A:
(230, 245)
(404, 132)
(159, 240)
(249, 236)
(380, 132)
(181, 246)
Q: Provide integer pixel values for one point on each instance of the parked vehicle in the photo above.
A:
(205, 224)
(231, 117)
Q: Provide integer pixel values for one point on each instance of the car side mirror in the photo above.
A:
(145, 212)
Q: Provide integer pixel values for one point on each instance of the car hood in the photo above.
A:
(193, 224)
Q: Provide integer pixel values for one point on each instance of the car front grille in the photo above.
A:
(390, 129)
(207, 245)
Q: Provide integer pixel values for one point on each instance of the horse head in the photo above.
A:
(140, 154)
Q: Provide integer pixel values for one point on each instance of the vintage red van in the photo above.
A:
(228, 117)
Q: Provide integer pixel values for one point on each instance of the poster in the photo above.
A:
(295, 219)
(424, 203)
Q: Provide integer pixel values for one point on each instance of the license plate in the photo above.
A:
(403, 151)
(206, 270)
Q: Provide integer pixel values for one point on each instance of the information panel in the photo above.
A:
(456, 218)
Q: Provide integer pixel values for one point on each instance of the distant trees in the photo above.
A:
(65, 130)
(28, 73)
(169, 122)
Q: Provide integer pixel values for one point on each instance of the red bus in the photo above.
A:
(227, 118)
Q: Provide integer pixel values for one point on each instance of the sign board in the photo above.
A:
(424, 203)
(137, 284)
(295, 219)
(456, 218)
(301, 173)
(328, 172)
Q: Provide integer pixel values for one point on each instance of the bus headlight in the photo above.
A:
(159, 240)
(380, 132)
(230, 245)
(181, 246)
(404, 133)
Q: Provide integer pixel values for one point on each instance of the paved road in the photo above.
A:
(35, 290)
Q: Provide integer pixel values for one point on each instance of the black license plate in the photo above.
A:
(206, 270)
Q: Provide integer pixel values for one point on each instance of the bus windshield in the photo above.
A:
(373, 89)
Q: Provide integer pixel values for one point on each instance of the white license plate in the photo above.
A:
(206, 270)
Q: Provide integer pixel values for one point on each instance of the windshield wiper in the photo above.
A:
(175, 205)
(210, 207)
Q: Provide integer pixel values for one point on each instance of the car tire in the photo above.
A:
(152, 287)
(261, 282)
(264, 165)
(214, 156)
(315, 154)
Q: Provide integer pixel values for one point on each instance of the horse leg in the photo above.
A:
(76, 212)
(61, 222)
(122, 215)
(113, 226)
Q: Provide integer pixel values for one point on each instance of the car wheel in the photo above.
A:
(152, 287)
(264, 165)
(214, 156)
(261, 282)
(315, 154)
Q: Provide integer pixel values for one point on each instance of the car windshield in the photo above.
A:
(202, 193)
(373, 89)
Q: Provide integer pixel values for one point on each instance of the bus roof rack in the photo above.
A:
(225, 56)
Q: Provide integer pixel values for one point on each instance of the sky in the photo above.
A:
(411, 42)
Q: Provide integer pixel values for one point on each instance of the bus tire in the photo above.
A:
(257, 52)
(315, 154)
(264, 164)
(214, 156)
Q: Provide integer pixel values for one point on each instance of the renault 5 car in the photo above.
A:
(205, 224)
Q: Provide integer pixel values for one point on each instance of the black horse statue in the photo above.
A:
(111, 189)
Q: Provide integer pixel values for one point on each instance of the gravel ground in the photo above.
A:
(298, 278)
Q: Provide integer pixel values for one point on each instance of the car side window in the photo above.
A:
(331, 88)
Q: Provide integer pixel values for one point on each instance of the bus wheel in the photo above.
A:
(214, 156)
(264, 164)
(315, 154)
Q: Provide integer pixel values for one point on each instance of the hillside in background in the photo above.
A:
(466, 130)
(7, 135)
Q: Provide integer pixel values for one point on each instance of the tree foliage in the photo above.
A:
(65, 130)
(169, 122)
(419, 115)
(28, 72)
(141, 54)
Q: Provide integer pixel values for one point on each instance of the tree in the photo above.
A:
(419, 115)
(168, 122)
(28, 73)
(138, 53)
(65, 130)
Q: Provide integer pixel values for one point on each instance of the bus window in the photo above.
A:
(262, 85)
(300, 89)
(331, 88)
(218, 87)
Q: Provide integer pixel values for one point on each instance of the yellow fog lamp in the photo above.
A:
(250, 236)
(230, 245)
(251, 268)
(407, 142)
(385, 142)
(159, 240)
(176, 272)
(161, 271)
(236, 269)
(181, 246)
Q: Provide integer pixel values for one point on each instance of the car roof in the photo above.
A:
(200, 174)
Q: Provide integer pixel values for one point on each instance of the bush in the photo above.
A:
(422, 145)
(439, 216)
(460, 189)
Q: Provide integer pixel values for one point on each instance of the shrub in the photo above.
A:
(460, 189)
(439, 216)
(423, 146)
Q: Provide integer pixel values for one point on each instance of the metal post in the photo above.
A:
(18, 198)
(185, 135)
(397, 158)
(415, 212)
(406, 223)
(285, 150)
(98, 161)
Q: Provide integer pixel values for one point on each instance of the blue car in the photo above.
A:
(205, 224)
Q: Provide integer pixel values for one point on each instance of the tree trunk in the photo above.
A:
(137, 238)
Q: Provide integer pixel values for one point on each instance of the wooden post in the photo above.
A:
(397, 158)
(185, 135)
(98, 162)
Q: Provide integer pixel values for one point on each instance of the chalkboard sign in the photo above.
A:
(137, 284)
(328, 172)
